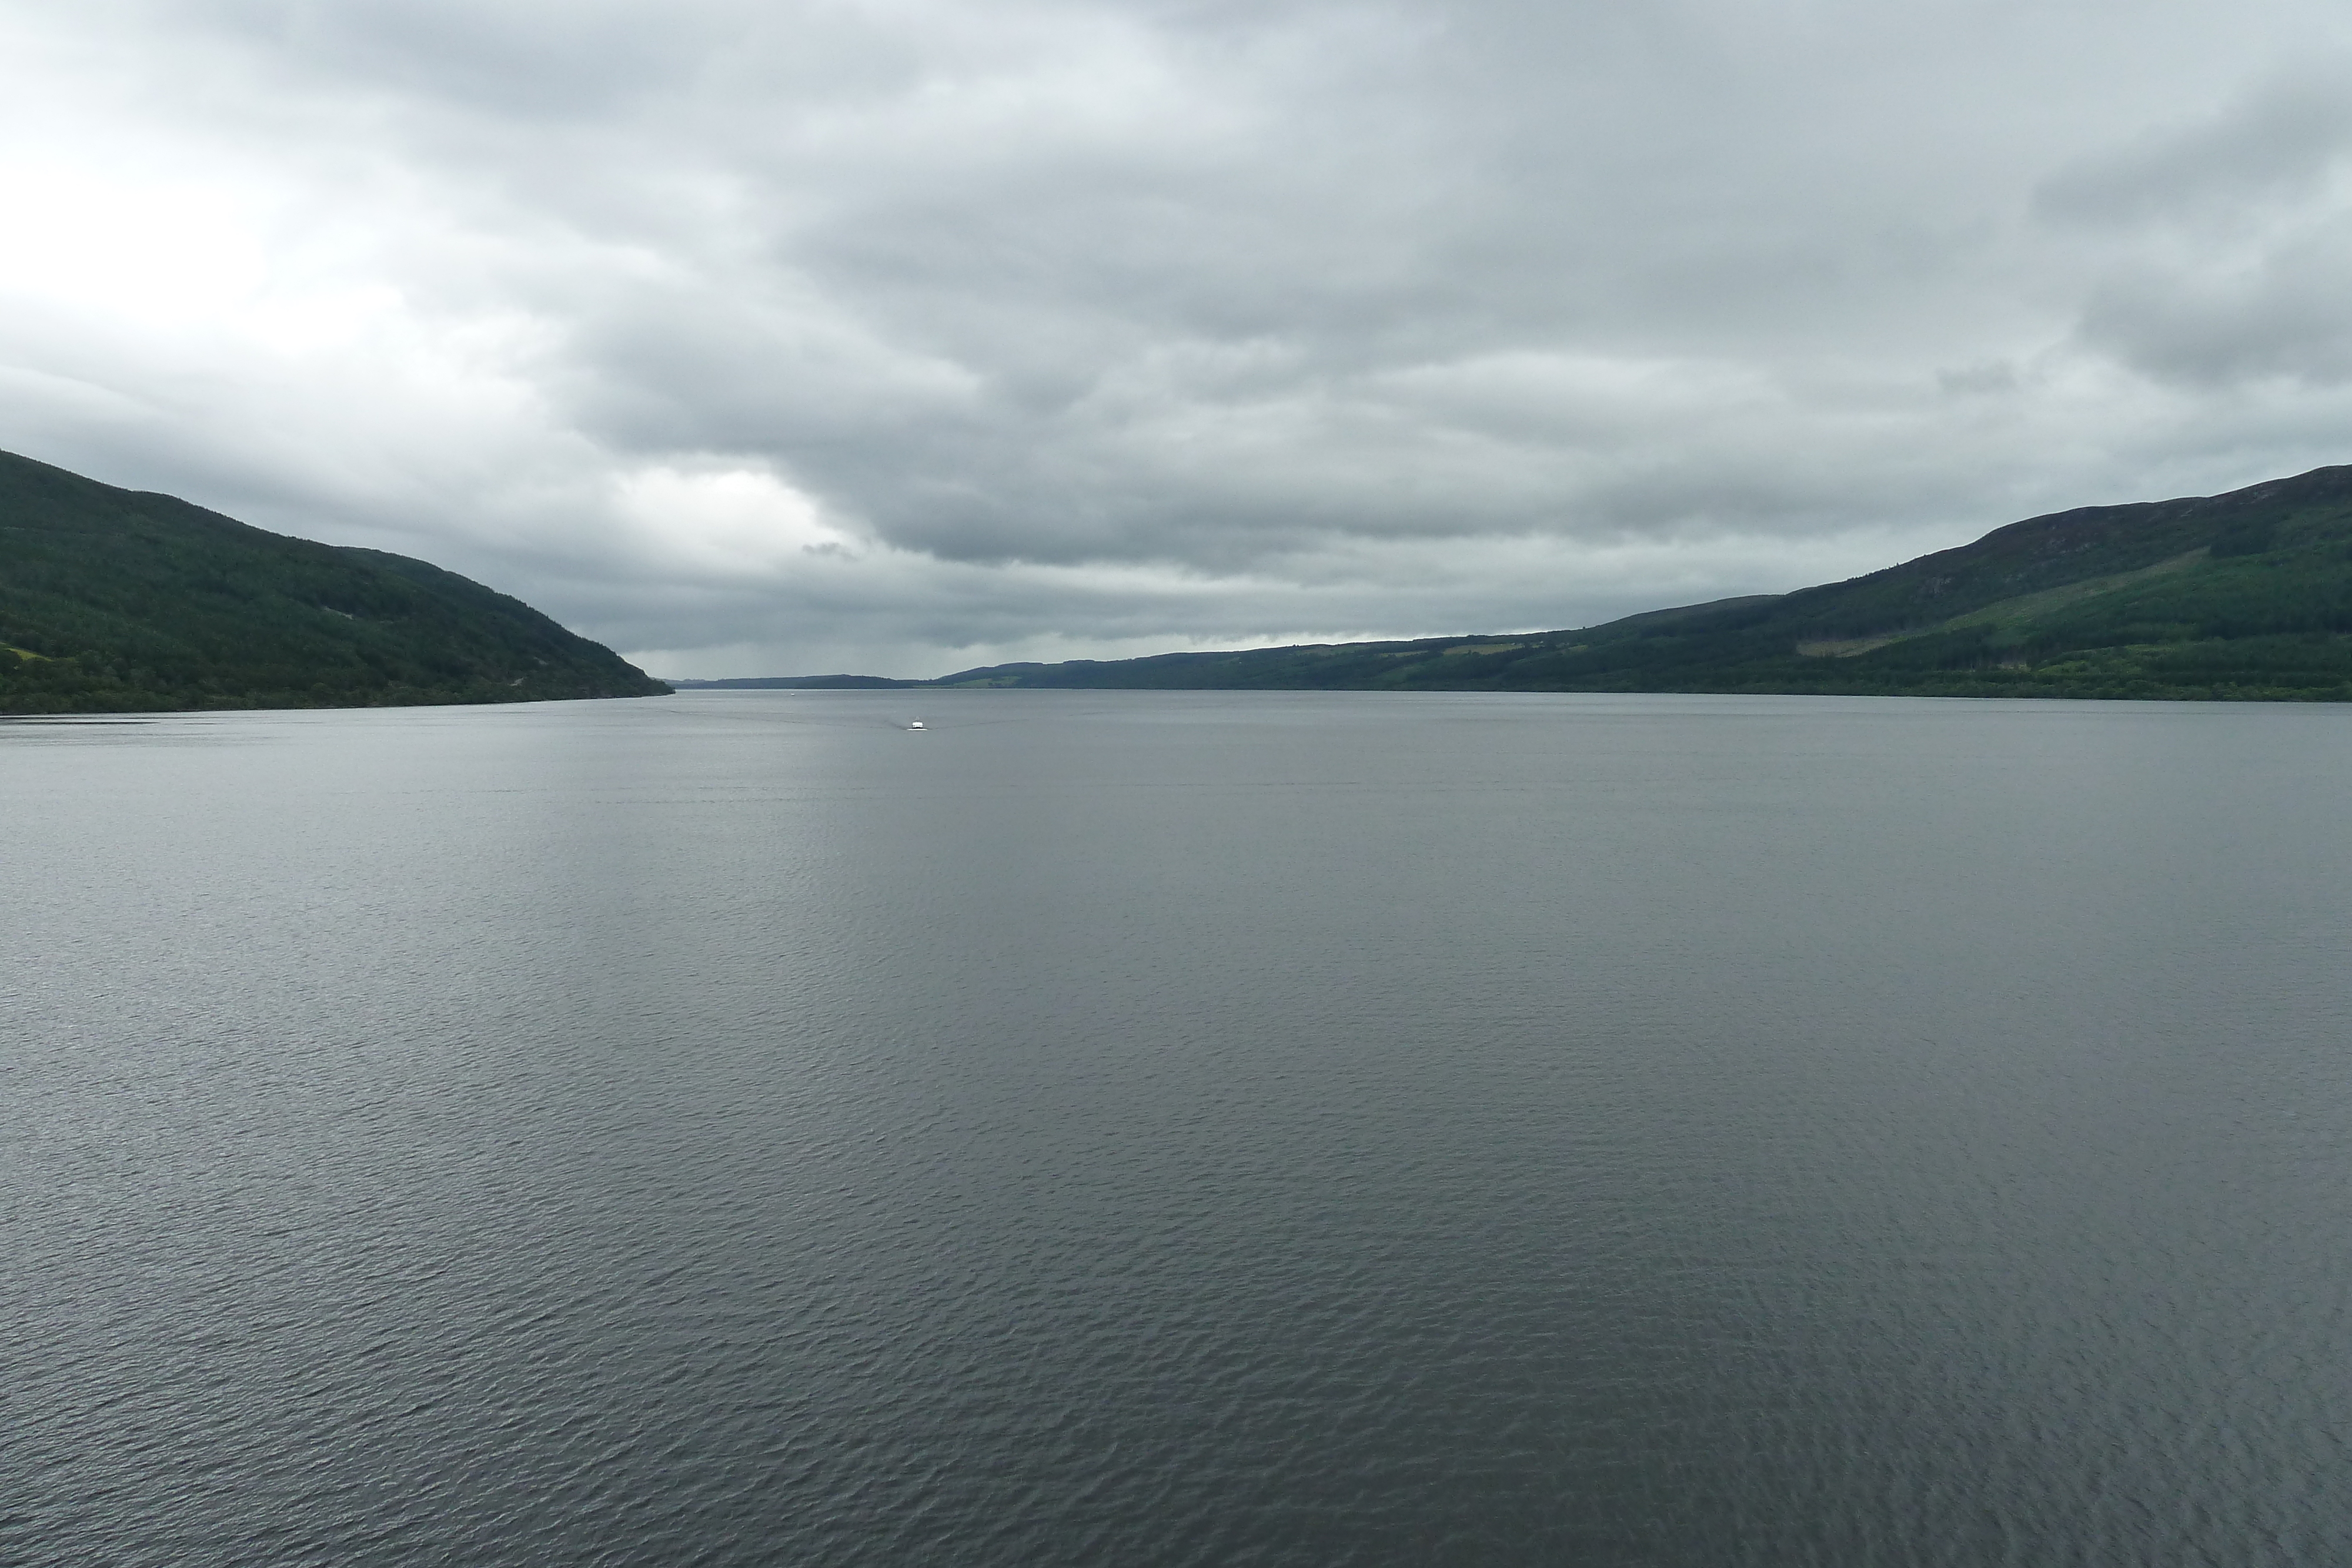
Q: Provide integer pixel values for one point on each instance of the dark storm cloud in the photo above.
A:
(784, 335)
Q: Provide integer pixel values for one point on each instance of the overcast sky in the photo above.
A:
(768, 337)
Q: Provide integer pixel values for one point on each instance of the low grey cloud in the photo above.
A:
(902, 335)
(2286, 314)
(2228, 241)
(2276, 144)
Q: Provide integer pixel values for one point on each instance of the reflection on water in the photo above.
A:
(1179, 1128)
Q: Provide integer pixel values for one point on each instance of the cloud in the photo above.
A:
(2230, 240)
(894, 334)
(2276, 146)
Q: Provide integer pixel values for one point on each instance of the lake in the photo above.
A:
(1179, 1128)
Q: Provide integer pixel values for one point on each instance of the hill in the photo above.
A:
(2246, 595)
(122, 601)
(795, 684)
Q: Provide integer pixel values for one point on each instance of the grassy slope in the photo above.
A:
(2246, 595)
(120, 601)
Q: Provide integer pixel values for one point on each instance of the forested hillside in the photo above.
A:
(122, 601)
(2244, 595)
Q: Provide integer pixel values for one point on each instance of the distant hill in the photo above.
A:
(2245, 596)
(122, 601)
(793, 683)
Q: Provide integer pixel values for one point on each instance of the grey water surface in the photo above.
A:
(1141, 1128)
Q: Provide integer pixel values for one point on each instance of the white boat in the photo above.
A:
(915, 724)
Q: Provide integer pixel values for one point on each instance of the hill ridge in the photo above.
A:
(130, 600)
(2245, 595)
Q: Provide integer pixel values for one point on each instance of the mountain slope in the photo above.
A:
(122, 601)
(2245, 595)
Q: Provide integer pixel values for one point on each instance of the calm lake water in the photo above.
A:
(1179, 1128)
